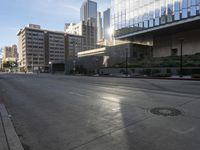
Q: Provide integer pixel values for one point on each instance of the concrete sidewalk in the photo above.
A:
(8, 137)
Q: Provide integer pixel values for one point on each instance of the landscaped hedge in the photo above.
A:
(196, 76)
(171, 61)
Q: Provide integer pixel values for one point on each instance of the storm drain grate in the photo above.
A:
(165, 111)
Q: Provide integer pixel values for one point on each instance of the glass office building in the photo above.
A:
(106, 24)
(88, 10)
(131, 16)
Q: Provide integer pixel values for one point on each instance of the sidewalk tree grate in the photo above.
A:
(162, 111)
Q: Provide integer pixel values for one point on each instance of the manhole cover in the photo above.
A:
(165, 111)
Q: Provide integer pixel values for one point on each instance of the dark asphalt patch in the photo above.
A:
(26, 147)
(166, 112)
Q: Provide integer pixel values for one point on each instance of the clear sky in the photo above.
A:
(50, 14)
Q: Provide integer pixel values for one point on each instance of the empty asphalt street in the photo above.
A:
(57, 112)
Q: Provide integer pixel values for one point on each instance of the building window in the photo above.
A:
(151, 17)
(157, 21)
(157, 13)
(151, 23)
(177, 10)
(193, 7)
(163, 7)
(170, 11)
(135, 15)
(198, 5)
(184, 8)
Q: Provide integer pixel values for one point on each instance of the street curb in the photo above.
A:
(13, 140)
(184, 79)
(124, 77)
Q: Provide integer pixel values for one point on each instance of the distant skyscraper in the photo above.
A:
(88, 25)
(106, 24)
(99, 27)
(10, 53)
(88, 10)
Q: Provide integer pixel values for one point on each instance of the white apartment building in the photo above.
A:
(31, 48)
(56, 47)
(74, 45)
(10, 53)
(86, 29)
(38, 47)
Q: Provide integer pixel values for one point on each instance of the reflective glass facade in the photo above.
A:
(88, 10)
(129, 16)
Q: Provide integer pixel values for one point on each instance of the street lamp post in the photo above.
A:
(38, 64)
(181, 57)
(32, 64)
(97, 66)
(126, 61)
(74, 57)
(66, 66)
(74, 66)
(50, 67)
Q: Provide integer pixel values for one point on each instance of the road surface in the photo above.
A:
(55, 112)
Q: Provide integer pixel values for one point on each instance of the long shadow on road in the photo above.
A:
(56, 112)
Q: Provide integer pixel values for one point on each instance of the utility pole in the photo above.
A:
(38, 63)
(127, 62)
(181, 58)
(32, 64)
(74, 57)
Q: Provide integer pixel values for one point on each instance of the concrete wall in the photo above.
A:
(117, 54)
(132, 51)
(164, 44)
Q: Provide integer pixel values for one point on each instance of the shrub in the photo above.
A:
(164, 75)
(155, 71)
(122, 71)
(196, 76)
(145, 72)
(169, 71)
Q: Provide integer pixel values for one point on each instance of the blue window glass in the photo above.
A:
(184, 4)
(157, 21)
(198, 5)
(193, 11)
(151, 23)
(157, 13)
(177, 16)
(193, 8)
(134, 15)
(184, 13)
(163, 10)
(141, 25)
(184, 8)
(176, 6)
(177, 10)
(146, 24)
(151, 19)
(193, 2)
(170, 9)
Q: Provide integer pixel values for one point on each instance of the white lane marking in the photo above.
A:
(77, 94)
